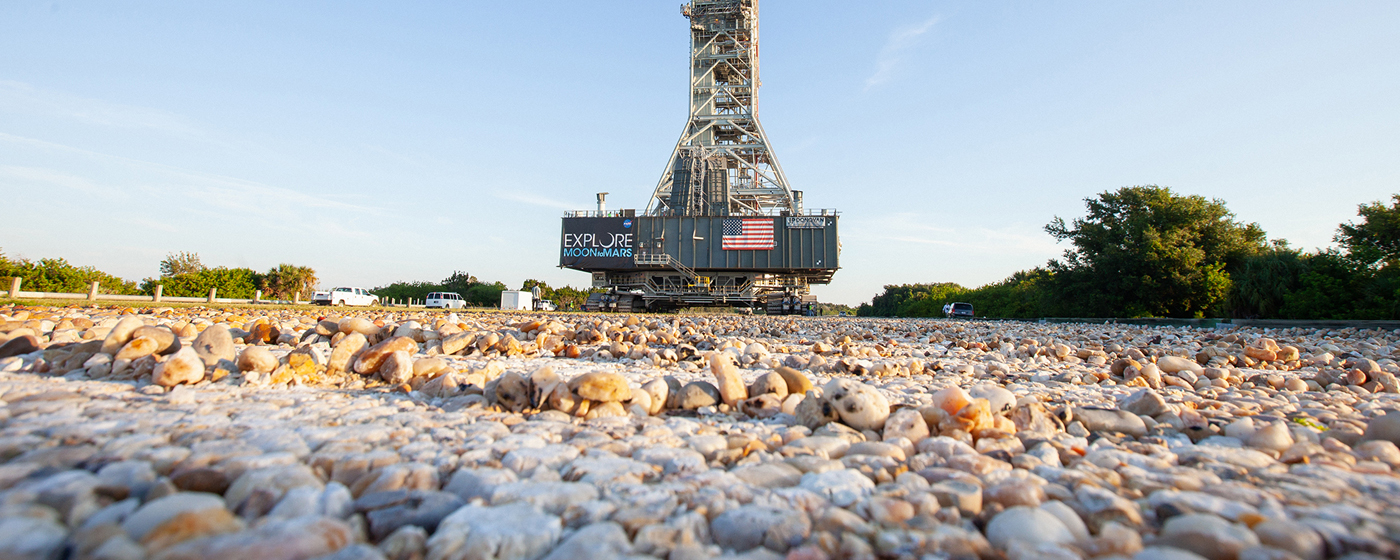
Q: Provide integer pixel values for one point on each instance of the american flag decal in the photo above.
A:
(748, 234)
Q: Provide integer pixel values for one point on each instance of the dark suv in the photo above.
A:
(958, 310)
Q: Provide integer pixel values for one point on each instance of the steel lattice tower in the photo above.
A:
(723, 165)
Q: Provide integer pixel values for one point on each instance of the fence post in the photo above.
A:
(257, 296)
(212, 292)
(159, 289)
(296, 298)
(14, 286)
(92, 292)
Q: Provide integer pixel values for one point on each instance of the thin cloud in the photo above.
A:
(535, 200)
(22, 97)
(899, 42)
(906, 228)
(192, 198)
(39, 177)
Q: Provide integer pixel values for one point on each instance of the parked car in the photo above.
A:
(342, 295)
(544, 305)
(444, 300)
(958, 309)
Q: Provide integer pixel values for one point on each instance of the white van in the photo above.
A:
(444, 300)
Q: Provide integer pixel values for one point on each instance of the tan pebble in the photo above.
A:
(374, 356)
(184, 366)
(513, 391)
(346, 350)
(906, 423)
(120, 335)
(256, 358)
(659, 392)
(189, 525)
(397, 368)
(797, 383)
(769, 383)
(138, 347)
(951, 399)
(727, 380)
(859, 405)
(601, 386)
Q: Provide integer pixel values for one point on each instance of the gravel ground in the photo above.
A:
(202, 433)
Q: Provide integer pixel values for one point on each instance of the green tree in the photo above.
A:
(1259, 283)
(180, 263)
(911, 300)
(230, 283)
(287, 281)
(1146, 251)
(459, 282)
(485, 295)
(1376, 240)
(58, 275)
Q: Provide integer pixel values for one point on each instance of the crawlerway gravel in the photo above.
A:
(272, 434)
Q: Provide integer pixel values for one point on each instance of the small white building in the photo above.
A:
(516, 300)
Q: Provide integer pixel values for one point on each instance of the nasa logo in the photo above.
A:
(627, 223)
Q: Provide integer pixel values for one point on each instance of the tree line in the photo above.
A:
(1145, 251)
(181, 275)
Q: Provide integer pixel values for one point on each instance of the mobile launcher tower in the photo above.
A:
(722, 229)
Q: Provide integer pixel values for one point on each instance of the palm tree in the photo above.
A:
(288, 281)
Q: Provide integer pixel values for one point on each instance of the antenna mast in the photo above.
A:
(723, 165)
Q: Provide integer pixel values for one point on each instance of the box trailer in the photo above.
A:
(516, 300)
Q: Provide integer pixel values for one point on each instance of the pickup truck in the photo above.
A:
(345, 296)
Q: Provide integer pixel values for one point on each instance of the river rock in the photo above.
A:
(698, 394)
(396, 368)
(420, 508)
(345, 351)
(184, 366)
(1273, 437)
(1292, 536)
(1103, 420)
(31, 537)
(364, 327)
(214, 344)
(1031, 525)
(769, 384)
(1146, 402)
(256, 358)
(121, 334)
(1386, 428)
(797, 383)
(601, 386)
(659, 391)
(1207, 535)
(604, 540)
(373, 357)
(748, 527)
(137, 348)
(906, 423)
(290, 539)
(509, 532)
(999, 400)
(456, 343)
(842, 487)
(727, 379)
(19, 345)
(860, 406)
(1176, 364)
(167, 341)
(160, 511)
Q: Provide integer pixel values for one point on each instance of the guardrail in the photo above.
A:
(94, 295)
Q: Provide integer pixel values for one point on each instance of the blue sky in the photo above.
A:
(402, 141)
